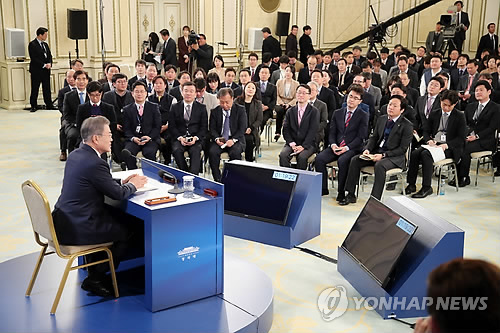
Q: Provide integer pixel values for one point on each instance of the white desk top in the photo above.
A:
(156, 189)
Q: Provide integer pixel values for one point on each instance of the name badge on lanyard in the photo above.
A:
(443, 137)
(138, 128)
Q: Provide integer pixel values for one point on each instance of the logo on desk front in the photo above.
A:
(188, 253)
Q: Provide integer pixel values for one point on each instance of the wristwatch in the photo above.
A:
(383, 155)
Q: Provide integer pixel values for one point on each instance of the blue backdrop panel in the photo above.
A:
(249, 310)
(304, 217)
(436, 241)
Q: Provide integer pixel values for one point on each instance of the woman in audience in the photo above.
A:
(286, 89)
(492, 65)
(213, 83)
(199, 72)
(219, 67)
(153, 50)
(253, 106)
(387, 95)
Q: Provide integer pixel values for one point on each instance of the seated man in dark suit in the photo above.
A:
(299, 130)
(230, 74)
(142, 125)
(228, 123)
(95, 107)
(348, 130)
(268, 93)
(70, 85)
(164, 101)
(323, 113)
(445, 129)
(482, 120)
(428, 103)
(140, 69)
(366, 98)
(342, 79)
(184, 76)
(409, 112)
(305, 73)
(70, 107)
(188, 125)
(171, 75)
(107, 83)
(80, 215)
(385, 150)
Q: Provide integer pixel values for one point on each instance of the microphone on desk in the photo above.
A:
(164, 175)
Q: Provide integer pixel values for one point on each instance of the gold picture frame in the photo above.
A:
(269, 6)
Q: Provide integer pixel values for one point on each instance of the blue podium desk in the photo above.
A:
(183, 240)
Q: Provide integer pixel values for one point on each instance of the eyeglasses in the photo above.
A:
(108, 135)
(356, 98)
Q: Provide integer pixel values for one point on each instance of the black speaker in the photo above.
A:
(77, 24)
(283, 22)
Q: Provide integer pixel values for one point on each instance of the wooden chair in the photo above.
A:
(43, 226)
(310, 161)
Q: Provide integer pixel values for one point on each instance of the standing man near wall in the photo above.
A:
(306, 44)
(291, 40)
(40, 65)
(270, 44)
(463, 24)
(168, 56)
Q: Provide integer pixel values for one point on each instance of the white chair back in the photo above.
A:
(38, 208)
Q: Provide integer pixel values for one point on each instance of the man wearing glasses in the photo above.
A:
(348, 131)
(299, 130)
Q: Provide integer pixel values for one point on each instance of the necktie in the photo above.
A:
(94, 105)
(159, 98)
(478, 112)
(461, 72)
(82, 100)
(150, 87)
(348, 119)
(493, 41)
(263, 87)
(428, 107)
(141, 110)
(253, 72)
(225, 128)
(187, 114)
(301, 114)
(471, 78)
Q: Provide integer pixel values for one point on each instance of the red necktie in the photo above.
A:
(141, 110)
(349, 116)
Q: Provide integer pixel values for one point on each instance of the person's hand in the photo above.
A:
(377, 157)
(145, 139)
(192, 142)
(265, 107)
(467, 96)
(182, 140)
(366, 152)
(138, 181)
(195, 46)
(229, 143)
(470, 138)
(298, 149)
(186, 60)
(163, 128)
(444, 146)
(137, 141)
(248, 131)
(431, 143)
(119, 127)
(276, 59)
(423, 325)
(126, 180)
(163, 62)
(334, 146)
(219, 142)
(48, 66)
(341, 151)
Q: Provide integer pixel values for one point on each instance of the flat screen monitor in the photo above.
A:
(258, 193)
(377, 239)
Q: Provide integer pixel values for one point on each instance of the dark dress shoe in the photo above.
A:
(390, 187)
(410, 189)
(50, 107)
(497, 173)
(464, 182)
(340, 197)
(33, 109)
(422, 193)
(350, 198)
(63, 157)
(96, 287)
(325, 191)
(123, 165)
(276, 137)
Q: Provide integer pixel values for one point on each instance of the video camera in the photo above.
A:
(193, 38)
(449, 23)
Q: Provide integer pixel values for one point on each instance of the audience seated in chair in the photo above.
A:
(69, 86)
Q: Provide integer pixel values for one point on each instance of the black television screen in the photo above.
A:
(257, 192)
(377, 239)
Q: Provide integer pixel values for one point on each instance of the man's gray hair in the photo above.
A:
(224, 92)
(310, 83)
(93, 126)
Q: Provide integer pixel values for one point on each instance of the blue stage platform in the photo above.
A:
(245, 306)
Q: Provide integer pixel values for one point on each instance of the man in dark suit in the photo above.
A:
(467, 83)
(463, 25)
(229, 77)
(71, 102)
(164, 101)
(291, 40)
(482, 120)
(327, 96)
(366, 98)
(305, 44)
(95, 107)
(270, 44)
(348, 130)
(435, 39)
(80, 215)
(327, 64)
(386, 61)
(412, 93)
(402, 67)
(488, 42)
(142, 125)
(323, 112)
(458, 71)
(299, 130)
(305, 73)
(358, 58)
(40, 65)
(385, 150)
(428, 103)
(445, 129)
(341, 79)
(107, 82)
(203, 53)
(60, 100)
(175, 92)
(140, 69)
(269, 94)
(188, 125)
(409, 112)
(376, 79)
(168, 56)
(228, 123)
